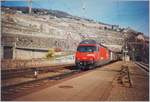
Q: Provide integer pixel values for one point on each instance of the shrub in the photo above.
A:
(50, 53)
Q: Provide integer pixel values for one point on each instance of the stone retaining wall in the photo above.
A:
(18, 64)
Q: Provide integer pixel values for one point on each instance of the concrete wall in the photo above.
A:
(19, 64)
(29, 54)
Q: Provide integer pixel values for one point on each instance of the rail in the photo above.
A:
(12, 73)
(143, 66)
(8, 91)
(17, 88)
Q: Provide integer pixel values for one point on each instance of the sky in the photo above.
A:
(134, 14)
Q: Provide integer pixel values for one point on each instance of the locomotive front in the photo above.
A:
(86, 55)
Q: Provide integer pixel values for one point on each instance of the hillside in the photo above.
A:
(46, 29)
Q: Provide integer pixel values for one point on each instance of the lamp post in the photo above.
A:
(133, 51)
(125, 51)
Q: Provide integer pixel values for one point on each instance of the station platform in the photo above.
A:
(100, 84)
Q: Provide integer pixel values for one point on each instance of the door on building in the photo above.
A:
(8, 52)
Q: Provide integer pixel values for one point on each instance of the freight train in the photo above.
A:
(90, 54)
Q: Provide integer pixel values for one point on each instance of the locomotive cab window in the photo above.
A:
(87, 48)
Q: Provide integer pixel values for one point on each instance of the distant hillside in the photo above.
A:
(57, 13)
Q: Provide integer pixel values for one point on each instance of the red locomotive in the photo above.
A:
(91, 54)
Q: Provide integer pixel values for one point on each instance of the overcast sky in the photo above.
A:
(134, 14)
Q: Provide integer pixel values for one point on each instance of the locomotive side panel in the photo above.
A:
(104, 53)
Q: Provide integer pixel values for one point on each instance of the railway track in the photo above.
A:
(12, 73)
(13, 91)
(143, 66)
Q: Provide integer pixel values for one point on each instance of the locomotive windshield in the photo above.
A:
(86, 48)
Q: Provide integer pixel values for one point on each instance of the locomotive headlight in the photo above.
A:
(77, 59)
(91, 59)
(91, 55)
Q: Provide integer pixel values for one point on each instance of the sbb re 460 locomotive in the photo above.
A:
(91, 54)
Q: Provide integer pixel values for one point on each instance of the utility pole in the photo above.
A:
(30, 6)
(83, 8)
